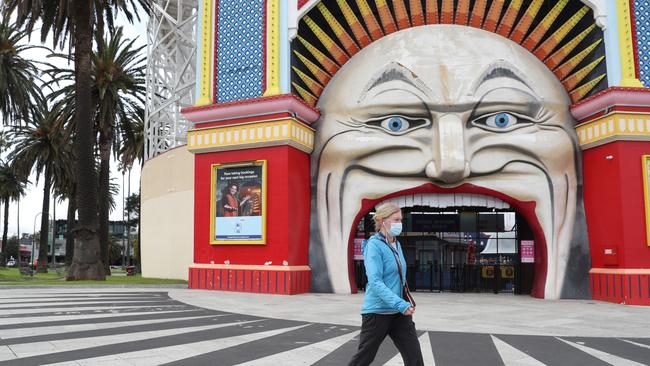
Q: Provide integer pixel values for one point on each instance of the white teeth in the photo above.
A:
(449, 200)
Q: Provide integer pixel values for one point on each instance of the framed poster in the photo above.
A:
(645, 160)
(238, 203)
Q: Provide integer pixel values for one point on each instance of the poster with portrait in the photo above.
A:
(239, 203)
(645, 160)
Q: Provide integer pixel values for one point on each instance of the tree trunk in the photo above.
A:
(42, 249)
(69, 235)
(99, 29)
(86, 263)
(3, 256)
(104, 181)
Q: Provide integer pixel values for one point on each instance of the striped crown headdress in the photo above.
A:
(562, 34)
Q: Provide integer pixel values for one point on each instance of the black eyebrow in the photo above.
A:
(501, 72)
(391, 74)
(395, 72)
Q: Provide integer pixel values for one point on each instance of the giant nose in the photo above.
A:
(450, 164)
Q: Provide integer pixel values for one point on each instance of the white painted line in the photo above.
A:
(427, 350)
(63, 329)
(634, 343)
(107, 302)
(512, 356)
(64, 317)
(39, 301)
(41, 348)
(305, 355)
(603, 356)
(90, 308)
(160, 355)
(427, 353)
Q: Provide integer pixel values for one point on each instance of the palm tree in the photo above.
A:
(11, 188)
(18, 75)
(39, 146)
(118, 91)
(121, 86)
(74, 21)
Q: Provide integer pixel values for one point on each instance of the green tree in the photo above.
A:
(133, 150)
(13, 248)
(118, 92)
(75, 21)
(11, 188)
(40, 147)
(18, 75)
(132, 210)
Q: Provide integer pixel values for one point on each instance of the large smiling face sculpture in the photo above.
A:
(450, 106)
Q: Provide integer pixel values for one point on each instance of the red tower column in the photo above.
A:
(272, 134)
(614, 134)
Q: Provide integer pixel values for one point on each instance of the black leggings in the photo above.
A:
(400, 328)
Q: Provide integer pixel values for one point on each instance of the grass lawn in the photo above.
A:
(11, 276)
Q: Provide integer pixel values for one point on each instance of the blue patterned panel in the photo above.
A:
(642, 17)
(240, 43)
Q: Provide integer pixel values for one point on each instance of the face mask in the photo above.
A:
(395, 229)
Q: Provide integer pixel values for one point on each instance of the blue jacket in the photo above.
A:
(384, 288)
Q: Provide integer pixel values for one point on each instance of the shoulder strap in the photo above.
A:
(396, 256)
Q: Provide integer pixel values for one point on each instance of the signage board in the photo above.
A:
(238, 203)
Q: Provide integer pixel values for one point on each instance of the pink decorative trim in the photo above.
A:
(255, 106)
(216, 50)
(608, 98)
(250, 267)
(635, 45)
(621, 270)
(264, 42)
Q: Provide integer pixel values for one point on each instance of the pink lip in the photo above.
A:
(527, 209)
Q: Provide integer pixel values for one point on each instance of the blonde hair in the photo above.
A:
(383, 211)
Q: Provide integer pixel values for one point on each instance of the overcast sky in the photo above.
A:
(31, 203)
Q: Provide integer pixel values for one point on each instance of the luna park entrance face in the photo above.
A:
(460, 250)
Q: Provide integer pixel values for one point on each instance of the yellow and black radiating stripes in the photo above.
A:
(561, 33)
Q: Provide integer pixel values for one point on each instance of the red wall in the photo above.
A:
(613, 191)
(288, 200)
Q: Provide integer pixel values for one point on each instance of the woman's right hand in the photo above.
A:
(409, 311)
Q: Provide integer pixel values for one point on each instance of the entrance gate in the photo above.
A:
(472, 250)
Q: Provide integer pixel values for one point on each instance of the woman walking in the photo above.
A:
(385, 311)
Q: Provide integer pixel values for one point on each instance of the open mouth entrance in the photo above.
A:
(459, 243)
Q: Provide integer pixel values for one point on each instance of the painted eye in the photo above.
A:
(395, 124)
(501, 120)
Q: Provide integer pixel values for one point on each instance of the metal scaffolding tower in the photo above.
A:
(171, 71)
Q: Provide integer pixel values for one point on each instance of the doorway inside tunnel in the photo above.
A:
(460, 249)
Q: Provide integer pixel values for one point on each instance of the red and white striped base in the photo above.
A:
(623, 286)
(282, 280)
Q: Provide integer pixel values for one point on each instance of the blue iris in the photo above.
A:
(395, 124)
(502, 120)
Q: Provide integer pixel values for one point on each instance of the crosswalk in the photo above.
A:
(104, 327)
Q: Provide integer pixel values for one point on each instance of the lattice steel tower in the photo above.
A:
(171, 71)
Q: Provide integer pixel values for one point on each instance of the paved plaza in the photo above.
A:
(176, 326)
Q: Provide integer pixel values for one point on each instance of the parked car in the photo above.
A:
(11, 263)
